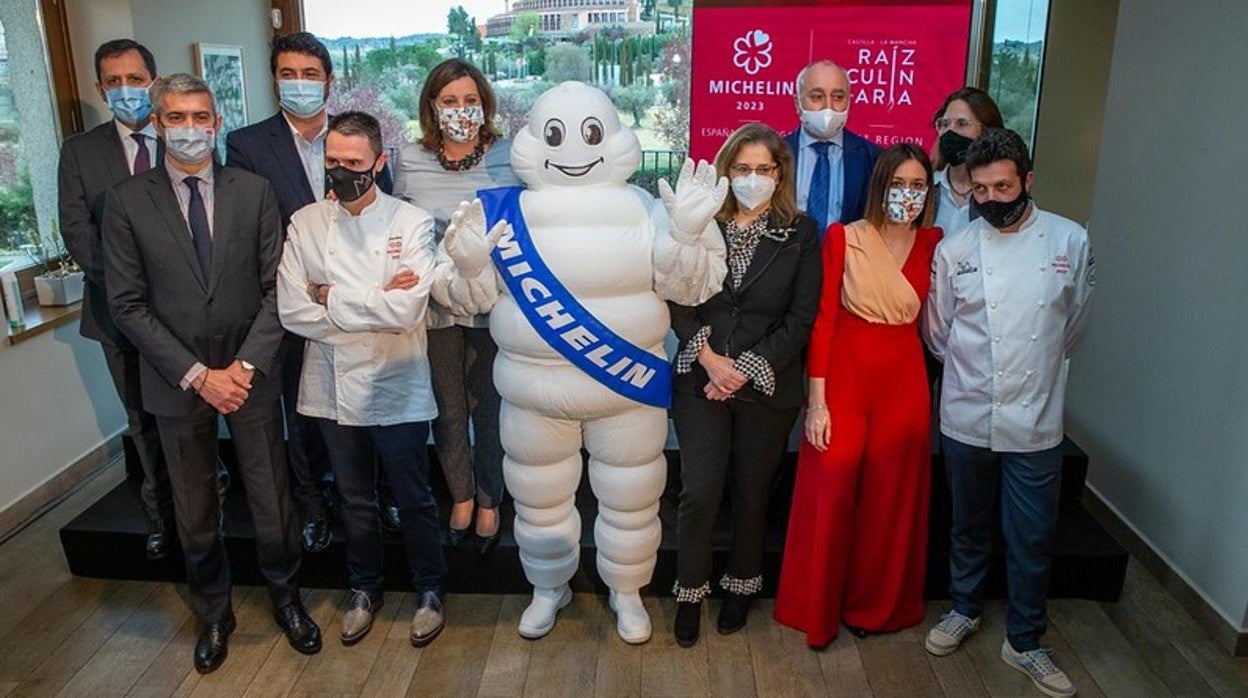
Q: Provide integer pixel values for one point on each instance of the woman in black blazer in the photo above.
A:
(739, 373)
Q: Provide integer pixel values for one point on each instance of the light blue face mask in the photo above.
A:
(303, 98)
(129, 104)
(189, 145)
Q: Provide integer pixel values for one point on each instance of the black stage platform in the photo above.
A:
(107, 540)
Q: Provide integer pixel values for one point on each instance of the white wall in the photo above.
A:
(1159, 393)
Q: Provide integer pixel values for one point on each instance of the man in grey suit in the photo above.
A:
(191, 252)
(91, 163)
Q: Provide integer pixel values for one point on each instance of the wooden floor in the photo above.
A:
(61, 635)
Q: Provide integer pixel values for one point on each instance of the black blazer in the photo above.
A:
(771, 314)
(267, 148)
(164, 304)
(91, 163)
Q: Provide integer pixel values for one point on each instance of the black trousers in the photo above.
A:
(123, 366)
(190, 445)
(731, 444)
(305, 446)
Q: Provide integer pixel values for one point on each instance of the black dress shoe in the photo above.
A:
(456, 536)
(315, 535)
(213, 645)
(390, 517)
(688, 622)
(157, 545)
(487, 543)
(733, 613)
(301, 631)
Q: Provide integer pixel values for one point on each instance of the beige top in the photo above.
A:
(873, 286)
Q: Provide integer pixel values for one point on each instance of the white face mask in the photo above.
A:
(825, 123)
(461, 124)
(189, 145)
(752, 190)
(904, 204)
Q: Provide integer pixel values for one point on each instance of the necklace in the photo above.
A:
(467, 162)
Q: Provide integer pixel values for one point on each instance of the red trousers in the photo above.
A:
(856, 549)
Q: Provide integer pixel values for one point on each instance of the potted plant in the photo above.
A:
(59, 281)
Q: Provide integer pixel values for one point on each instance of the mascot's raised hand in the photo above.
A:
(698, 197)
(466, 242)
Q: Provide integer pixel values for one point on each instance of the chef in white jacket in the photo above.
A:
(1009, 301)
(354, 280)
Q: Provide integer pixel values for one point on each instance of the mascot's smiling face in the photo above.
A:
(574, 139)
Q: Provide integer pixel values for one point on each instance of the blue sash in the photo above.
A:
(561, 321)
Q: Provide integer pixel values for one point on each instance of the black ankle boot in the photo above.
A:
(688, 621)
(733, 613)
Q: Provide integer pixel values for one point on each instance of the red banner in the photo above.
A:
(902, 61)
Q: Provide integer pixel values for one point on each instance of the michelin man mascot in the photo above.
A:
(574, 271)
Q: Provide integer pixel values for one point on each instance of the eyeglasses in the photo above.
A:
(943, 124)
(745, 170)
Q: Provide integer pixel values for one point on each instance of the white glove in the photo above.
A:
(698, 197)
(467, 243)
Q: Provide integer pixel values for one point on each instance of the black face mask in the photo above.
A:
(349, 185)
(953, 147)
(1001, 214)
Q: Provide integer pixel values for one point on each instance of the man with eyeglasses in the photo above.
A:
(833, 164)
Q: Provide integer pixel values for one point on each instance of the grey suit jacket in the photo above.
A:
(91, 163)
(172, 312)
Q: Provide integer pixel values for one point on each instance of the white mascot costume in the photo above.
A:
(574, 272)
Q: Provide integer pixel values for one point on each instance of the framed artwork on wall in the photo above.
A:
(221, 66)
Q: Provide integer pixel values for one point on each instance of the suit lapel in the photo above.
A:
(854, 162)
(282, 142)
(114, 154)
(160, 189)
(764, 255)
(222, 222)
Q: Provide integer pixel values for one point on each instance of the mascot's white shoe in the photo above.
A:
(539, 618)
(631, 620)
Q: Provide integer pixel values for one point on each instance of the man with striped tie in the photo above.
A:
(833, 164)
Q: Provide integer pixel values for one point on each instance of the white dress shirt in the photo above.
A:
(131, 146)
(950, 217)
(1004, 313)
(366, 361)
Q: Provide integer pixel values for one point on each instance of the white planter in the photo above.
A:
(59, 290)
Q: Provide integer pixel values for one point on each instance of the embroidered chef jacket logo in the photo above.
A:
(964, 267)
(394, 247)
(1061, 264)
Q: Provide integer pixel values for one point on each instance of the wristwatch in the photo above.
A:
(247, 366)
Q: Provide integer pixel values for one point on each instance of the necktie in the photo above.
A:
(817, 198)
(197, 217)
(143, 158)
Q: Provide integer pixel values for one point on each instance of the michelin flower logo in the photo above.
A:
(752, 51)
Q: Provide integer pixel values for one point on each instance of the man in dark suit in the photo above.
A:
(91, 163)
(191, 253)
(833, 164)
(288, 149)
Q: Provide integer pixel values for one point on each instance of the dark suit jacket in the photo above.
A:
(162, 301)
(771, 314)
(857, 160)
(92, 162)
(267, 148)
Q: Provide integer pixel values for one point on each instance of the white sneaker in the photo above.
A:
(631, 620)
(539, 618)
(949, 633)
(1038, 664)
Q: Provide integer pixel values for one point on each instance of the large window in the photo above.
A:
(1017, 58)
(635, 50)
(17, 201)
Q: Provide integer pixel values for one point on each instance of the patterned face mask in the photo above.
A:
(461, 124)
(904, 204)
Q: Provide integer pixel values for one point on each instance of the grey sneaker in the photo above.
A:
(358, 619)
(1038, 664)
(428, 621)
(949, 633)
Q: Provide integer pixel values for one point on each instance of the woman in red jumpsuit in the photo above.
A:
(856, 550)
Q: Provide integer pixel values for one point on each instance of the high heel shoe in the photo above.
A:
(456, 536)
(487, 543)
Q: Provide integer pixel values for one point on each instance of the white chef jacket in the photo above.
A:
(1004, 313)
(366, 359)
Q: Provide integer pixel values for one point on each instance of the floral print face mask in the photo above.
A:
(461, 124)
(904, 204)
